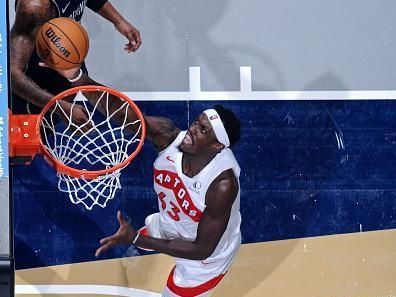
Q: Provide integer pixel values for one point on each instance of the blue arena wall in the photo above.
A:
(309, 168)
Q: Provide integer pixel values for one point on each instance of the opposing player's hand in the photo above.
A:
(75, 113)
(66, 73)
(124, 235)
(131, 33)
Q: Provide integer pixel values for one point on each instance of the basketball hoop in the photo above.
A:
(87, 155)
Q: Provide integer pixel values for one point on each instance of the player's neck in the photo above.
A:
(193, 164)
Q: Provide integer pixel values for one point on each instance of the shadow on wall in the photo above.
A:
(219, 61)
(179, 38)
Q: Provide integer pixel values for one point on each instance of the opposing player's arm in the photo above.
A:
(96, 5)
(161, 131)
(219, 200)
(130, 32)
(29, 16)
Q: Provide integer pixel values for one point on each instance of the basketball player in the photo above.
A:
(34, 86)
(196, 179)
(196, 182)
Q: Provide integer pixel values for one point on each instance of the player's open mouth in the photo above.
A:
(187, 139)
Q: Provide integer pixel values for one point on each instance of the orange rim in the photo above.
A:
(88, 174)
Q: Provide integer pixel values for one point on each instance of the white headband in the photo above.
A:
(217, 126)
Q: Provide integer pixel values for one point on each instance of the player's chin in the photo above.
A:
(186, 148)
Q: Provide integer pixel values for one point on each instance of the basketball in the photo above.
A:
(62, 43)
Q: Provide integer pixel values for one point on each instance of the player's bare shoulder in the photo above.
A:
(223, 190)
(161, 131)
(34, 11)
(29, 16)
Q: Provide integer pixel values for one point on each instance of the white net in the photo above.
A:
(106, 138)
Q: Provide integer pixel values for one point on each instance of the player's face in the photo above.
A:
(200, 137)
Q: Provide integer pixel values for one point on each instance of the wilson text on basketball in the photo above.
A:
(56, 40)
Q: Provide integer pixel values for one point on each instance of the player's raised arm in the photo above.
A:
(29, 17)
(130, 32)
(161, 131)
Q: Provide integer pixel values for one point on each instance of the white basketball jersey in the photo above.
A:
(182, 199)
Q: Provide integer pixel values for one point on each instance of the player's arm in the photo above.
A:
(29, 17)
(219, 200)
(160, 131)
(111, 14)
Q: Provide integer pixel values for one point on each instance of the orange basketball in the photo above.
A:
(62, 43)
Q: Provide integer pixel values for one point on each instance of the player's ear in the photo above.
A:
(219, 147)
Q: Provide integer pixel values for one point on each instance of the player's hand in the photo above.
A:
(131, 33)
(124, 235)
(66, 73)
(69, 111)
(75, 113)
